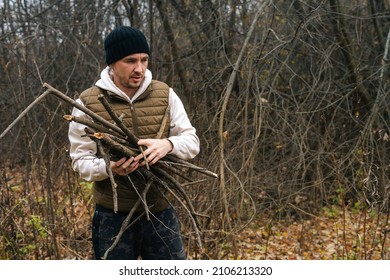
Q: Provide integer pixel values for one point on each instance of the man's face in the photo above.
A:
(129, 72)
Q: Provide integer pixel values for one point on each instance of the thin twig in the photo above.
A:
(178, 188)
(191, 215)
(88, 122)
(87, 111)
(110, 143)
(125, 224)
(25, 111)
(130, 136)
(110, 174)
(164, 123)
(184, 163)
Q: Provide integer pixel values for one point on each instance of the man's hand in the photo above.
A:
(155, 150)
(124, 166)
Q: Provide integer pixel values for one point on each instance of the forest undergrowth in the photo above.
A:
(334, 232)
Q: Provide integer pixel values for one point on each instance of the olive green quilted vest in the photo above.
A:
(144, 117)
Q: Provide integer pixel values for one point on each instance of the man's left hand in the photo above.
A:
(155, 150)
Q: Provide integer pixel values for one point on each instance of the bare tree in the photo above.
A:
(291, 110)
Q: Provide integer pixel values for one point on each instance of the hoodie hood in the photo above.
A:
(105, 82)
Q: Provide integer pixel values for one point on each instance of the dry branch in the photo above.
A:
(124, 226)
(106, 158)
(130, 136)
(110, 142)
(179, 162)
(90, 113)
(228, 93)
(88, 122)
(25, 111)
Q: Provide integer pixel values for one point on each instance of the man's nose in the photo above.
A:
(138, 67)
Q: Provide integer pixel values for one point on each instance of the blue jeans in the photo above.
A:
(156, 239)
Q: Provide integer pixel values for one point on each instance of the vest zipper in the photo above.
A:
(134, 120)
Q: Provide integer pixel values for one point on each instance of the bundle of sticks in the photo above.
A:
(118, 138)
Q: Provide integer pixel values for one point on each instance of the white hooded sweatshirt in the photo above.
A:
(83, 150)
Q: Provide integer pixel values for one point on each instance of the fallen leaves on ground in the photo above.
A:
(346, 235)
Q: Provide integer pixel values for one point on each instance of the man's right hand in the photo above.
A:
(124, 166)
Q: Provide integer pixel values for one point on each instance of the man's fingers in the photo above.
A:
(124, 166)
(119, 162)
(127, 163)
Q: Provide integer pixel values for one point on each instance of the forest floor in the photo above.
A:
(335, 234)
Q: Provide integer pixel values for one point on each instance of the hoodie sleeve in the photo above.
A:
(182, 134)
(83, 152)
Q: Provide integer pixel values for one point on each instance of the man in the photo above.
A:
(142, 103)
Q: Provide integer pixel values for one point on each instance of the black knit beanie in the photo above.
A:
(123, 41)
